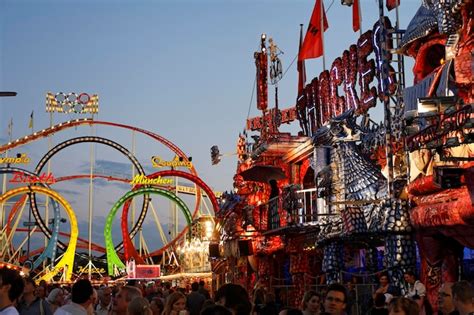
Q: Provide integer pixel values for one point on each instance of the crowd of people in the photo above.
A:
(22, 296)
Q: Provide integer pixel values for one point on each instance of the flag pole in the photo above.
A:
(4, 180)
(301, 66)
(360, 17)
(322, 31)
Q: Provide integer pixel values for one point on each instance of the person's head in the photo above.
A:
(11, 285)
(379, 300)
(445, 298)
(30, 286)
(383, 280)
(139, 306)
(175, 302)
(403, 306)
(463, 296)
(105, 296)
(290, 311)
(82, 292)
(123, 297)
(40, 292)
(207, 303)
(56, 297)
(311, 301)
(336, 299)
(409, 277)
(202, 283)
(156, 306)
(150, 288)
(194, 286)
(235, 298)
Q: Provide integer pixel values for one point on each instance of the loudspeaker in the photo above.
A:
(245, 248)
(214, 251)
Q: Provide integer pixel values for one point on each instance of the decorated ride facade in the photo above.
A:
(347, 193)
(440, 134)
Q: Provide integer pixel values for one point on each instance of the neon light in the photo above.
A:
(19, 177)
(67, 261)
(129, 249)
(176, 162)
(144, 180)
(21, 159)
(72, 103)
(85, 269)
(113, 260)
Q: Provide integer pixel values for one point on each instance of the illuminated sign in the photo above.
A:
(72, 103)
(192, 191)
(19, 177)
(144, 180)
(320, 100)
(19, 159)
(176, 162)
(142, 271)
(84, 269)
(287, 116)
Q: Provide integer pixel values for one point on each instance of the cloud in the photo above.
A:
(68, 192)
(102, 182)
(110, 168)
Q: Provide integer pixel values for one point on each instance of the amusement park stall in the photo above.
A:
(347, 198)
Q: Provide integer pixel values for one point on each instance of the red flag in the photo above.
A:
(313, 41)
(301, 67)
(355, 16)
(392, 4)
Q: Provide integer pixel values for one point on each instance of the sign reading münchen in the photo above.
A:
(144, 180)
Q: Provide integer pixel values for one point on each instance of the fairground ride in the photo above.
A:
(38, 238)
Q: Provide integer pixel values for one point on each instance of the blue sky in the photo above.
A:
(182, 69)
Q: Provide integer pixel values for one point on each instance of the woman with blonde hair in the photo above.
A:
(175, 304)
(139, 306)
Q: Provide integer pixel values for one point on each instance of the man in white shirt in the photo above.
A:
(415, 290)
(11, 287)
(81, 297)
(105, 297)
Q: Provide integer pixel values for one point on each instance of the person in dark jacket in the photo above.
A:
(194, 300)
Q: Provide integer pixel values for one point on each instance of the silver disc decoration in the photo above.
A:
(333, 262)
(400, 253)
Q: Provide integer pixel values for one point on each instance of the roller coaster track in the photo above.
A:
(88, 121)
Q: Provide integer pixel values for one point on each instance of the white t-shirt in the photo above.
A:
(417, 288)
(71, 309)
(11, 310)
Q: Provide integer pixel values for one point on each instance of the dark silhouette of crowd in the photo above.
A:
(23, 296)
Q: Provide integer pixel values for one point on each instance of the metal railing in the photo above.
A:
(311, 209)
